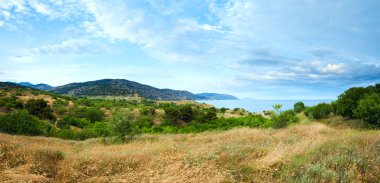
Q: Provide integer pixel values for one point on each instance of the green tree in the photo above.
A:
(299, 107)
(186, 113)
(368, 109)
(284, 119)
(22, 123)
(39, 108)
(277, 108)
(319, 111)
(348, 101)
(124, 126)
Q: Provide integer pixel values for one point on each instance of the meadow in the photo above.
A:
(310, 152)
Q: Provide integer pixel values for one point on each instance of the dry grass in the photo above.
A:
(238, 155)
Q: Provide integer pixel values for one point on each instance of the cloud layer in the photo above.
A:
(289, 42)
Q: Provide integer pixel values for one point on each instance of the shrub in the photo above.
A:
(148, 111)
(223, 110)
(319, 111)
(22, 123)
(39, 108)
(368, 109)
(284, 119)
(11, 103)
(124, 126)
(348, 101)
(299, 107)
(72, 121)
(90, 113)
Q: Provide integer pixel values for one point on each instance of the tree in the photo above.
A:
(39, 108)
(284, 119)
(299, 107)
(319, 111)
(186, 113)
(368, 109)
(124, 126)
(277, 108)
(348, 101)
(22, 123)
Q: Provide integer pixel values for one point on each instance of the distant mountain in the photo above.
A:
(10, 85)
(121, 87)
(40, 86)
(216, 96)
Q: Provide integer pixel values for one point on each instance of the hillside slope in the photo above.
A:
(301, 153)
(40, 86)
(217, 96)
(121, 87)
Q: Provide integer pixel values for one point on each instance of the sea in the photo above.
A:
(254, 105)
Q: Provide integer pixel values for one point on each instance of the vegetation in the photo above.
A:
(299, 107)
(355, 103)
(22, 123)
(300, 153)
(368, 109)
(173, 141)
(319, 111)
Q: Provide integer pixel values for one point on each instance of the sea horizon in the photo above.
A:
(259, 105)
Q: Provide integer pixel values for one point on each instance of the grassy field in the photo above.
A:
(310, 152)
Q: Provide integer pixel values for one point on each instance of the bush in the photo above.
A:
(90, 113)
(22, 123)
(319, 111)
(368, 109)
(124, 126)
(11, 103)
(148, 111)
(39, 108)
(348, 101)
(299, 107)
(223, 110)
(284, 119)
(72, 121)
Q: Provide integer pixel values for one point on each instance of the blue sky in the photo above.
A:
(283, 49)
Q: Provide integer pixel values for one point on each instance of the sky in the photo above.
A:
(261, 49)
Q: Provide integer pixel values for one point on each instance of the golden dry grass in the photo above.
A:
(238, 155)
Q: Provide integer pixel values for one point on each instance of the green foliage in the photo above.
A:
(148, 111)
(124, 126)
(11, 103)
(22, 123)
(284, 119)
(68, 121)
(39, 108)
(223, 110)
(277, 108)
(319, 111)
(348, 101)
(188, 113)
(368, 109)
(299, 107)
(90, 113)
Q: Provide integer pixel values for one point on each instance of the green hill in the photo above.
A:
(121, 87)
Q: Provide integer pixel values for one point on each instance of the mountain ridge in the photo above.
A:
(40, 86)
(123, 87)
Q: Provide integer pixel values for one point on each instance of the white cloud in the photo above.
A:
(76, 46)
(334, 68)
(41, 8)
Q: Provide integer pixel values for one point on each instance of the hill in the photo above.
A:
(121, 87)
(40, 86)
(217, 96)
(6, 85)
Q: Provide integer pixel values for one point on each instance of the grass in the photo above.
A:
(309, 152)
